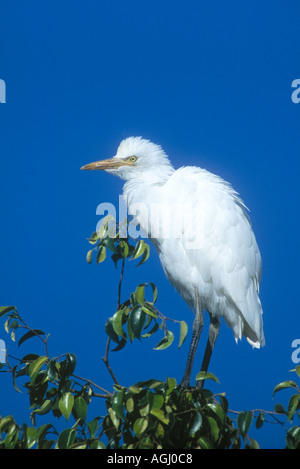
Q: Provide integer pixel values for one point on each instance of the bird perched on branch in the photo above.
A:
(202, 232)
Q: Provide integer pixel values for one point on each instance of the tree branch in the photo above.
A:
(106, 362)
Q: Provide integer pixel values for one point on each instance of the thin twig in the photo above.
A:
(36, 334)
(106, 362)
(105, 358)
(262, 411)
(93, 384)
(162, 316)
(120, 283)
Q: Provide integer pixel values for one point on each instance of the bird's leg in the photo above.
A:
(197, 329)
(212, 337)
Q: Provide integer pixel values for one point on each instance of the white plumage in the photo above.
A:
(201, 230)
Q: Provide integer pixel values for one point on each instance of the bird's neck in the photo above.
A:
(142, 197)
(145, 187)
(141, 191)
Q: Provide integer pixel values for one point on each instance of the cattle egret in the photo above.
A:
(202, 232)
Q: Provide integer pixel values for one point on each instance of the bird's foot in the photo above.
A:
(199, 385)
(185, 383)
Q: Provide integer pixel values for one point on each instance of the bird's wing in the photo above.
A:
(217, 242)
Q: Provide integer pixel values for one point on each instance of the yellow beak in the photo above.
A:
(112, 163)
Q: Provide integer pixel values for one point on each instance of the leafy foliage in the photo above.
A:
(159, 415)
(137, 317)
(150, 414)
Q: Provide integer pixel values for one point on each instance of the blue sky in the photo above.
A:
(211, 83)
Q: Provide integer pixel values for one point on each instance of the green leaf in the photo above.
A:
(117, 322)
(196, 423)
(80, 408)
(137, 320)
(66, 438)
(11, 437)
(160, 415)
(94, 238)
(44, 408)
(101, 255)
(35, 367)
(152, 331)
(244, 421)
(97, 445)
(260, 420)
(140, 293)
(117, 404)
(158, 401)
(224, 403)
(65, 404)
(79, 445)
(203, 375)
(145, 255)
(11, 323)
(103, 228)
(110, 331)
(183, 332)
(148, 320)
(144, 410)
(253, 444)
(160, 431)
(30, 436)
(140, 426)
(121, 344)
(171, 383)
(89, 256)
(297, 370)
(68, 365)
(154, 384)
(293, 405)
(114, 418)
(14, 373)
(149, 311)
(135, 389)
(52, 371)
(165, 342)
(154, 291)
(279, 409)
(6, 309)
(139, 249)
(71, 358)
(124, 248)
(41, 433)
(109, 243)
(214, 428)
(133, 299)
(205, 443)
(29, 334)
(129, 404)
(29, 358)
(293, 438)
(6, 423)
(92, 426)
(217, 410)
(285, 385)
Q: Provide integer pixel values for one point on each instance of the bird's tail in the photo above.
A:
(250, 323)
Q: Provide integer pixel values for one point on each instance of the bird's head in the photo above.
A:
(136, 158)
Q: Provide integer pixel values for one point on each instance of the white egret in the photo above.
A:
(201, 230)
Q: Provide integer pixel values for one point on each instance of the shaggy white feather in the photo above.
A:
(201, 230)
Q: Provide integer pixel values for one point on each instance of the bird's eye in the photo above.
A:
(132, 159)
